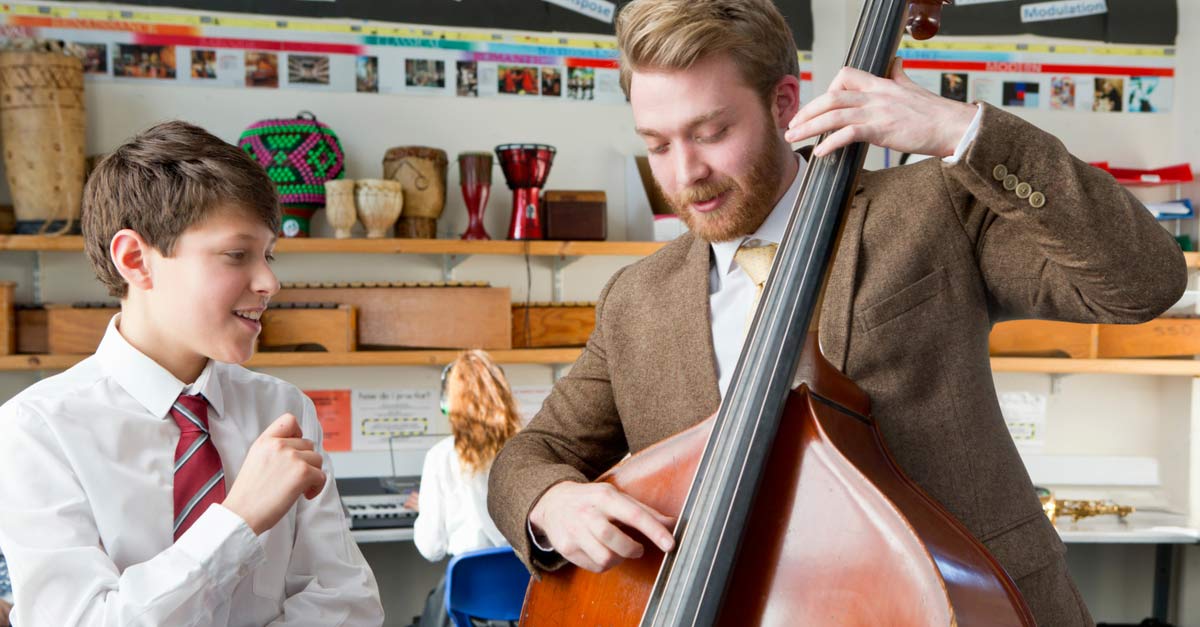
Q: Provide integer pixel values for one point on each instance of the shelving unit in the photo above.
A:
(547, 356)
(74, 243)
(559, 356)
(360, 246)
(454, 251)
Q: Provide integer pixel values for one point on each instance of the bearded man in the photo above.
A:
(1004, 224)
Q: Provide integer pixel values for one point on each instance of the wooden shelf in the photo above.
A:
(1057, 365)
(39, 362)
(316, 359)
(62, 243)
(537, 248)
(551, 356)
(74, 243)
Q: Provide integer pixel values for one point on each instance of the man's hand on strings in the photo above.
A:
(892, 113)
(586, 523)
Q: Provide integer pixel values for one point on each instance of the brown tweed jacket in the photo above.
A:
(931, 256)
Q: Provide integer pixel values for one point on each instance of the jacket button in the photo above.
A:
(999, 172)
(1037, 200)
(1024, 190)
(1010, 182)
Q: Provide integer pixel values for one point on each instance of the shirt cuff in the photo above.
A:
(223, 544)
(534, 539)
(967, 138)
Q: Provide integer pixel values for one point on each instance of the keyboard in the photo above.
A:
(378, 502)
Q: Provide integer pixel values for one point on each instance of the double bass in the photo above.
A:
(790, 510)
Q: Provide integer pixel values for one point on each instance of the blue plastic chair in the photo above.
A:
(488, 584)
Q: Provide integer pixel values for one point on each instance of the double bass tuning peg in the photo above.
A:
(925, 18)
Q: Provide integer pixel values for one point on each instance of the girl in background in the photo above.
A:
(452, 503)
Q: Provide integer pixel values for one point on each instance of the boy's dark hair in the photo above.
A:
(162, 182)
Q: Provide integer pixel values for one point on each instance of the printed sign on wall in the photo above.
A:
(1060, 77)
(332, 56)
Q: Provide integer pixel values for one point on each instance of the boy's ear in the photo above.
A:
(130, 254)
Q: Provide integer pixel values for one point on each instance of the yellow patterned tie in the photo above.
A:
(755, 261)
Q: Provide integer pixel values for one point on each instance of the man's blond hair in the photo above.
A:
(672, 35)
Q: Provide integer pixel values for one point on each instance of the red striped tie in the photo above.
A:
(199, 479)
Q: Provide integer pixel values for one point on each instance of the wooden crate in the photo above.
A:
(333, 328)
(1042, 338)
(73, 330)
(8, 319)
(552, 324)
(409, 315)
(1164, 337)
(32, 335)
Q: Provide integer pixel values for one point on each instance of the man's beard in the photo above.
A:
(745, 208)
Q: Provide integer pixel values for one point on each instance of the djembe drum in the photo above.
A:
(526, 167)
(421, 171)
(475, 175)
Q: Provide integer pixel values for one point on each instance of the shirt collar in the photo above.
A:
(770, 231)
(151, 385)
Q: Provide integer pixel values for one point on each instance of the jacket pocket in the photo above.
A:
(1026, 547)
(905, 300)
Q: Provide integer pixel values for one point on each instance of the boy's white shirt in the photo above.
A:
(86, 506)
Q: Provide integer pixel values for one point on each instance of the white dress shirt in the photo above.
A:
(453, 518)
(730, 290)
(86, 506)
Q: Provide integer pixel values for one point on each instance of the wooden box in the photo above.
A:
(297, 326)
(31, 331)
(409, 315)
(1043, 338)
(76, 330)
(1164, 337)
(575, 215)
(552, 324)
(8, 318)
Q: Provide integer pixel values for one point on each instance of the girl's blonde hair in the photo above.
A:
(483, 415)
(671, 35)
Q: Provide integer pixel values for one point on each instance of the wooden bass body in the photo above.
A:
(838, 534)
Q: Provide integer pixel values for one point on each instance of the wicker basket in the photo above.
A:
(42, 123)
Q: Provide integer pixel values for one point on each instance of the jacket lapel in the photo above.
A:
(695, 340)
(837, 311)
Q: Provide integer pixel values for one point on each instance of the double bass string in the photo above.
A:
(692, 579)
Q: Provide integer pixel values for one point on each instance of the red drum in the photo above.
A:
(475, 173)
(526, 167)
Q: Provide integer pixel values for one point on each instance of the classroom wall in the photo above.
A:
(593, 142)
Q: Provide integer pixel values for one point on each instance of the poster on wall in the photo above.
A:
(126, 45)
(400, 418)
(546, 16)
(1025, 415)
(386, 419)
(1144, 22)
(1049, 76)
(333, 412)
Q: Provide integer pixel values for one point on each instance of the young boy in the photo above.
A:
(156, 482)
